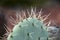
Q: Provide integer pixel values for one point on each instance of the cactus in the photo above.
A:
(29, 29)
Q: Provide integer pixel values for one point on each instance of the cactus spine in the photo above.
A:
(29, 29)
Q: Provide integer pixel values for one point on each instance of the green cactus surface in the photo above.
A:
(29, 29)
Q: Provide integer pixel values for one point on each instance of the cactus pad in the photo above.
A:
(29, 29)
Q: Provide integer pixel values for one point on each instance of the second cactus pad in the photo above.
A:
(29, 29)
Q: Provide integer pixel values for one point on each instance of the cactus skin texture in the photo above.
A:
(29, 29)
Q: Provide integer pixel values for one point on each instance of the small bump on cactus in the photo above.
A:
(29, 28)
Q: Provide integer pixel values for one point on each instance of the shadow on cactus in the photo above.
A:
(29, 28)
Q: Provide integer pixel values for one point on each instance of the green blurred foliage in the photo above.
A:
(22, 2)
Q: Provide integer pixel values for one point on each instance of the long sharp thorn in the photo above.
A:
(17, 17)
(7, 28)
(28, 13)
(12, 19)
(49, 23)
(31, 12)
(39, 14)
(24, 15)
(46, 17)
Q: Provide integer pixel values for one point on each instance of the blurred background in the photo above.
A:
(9, 7)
